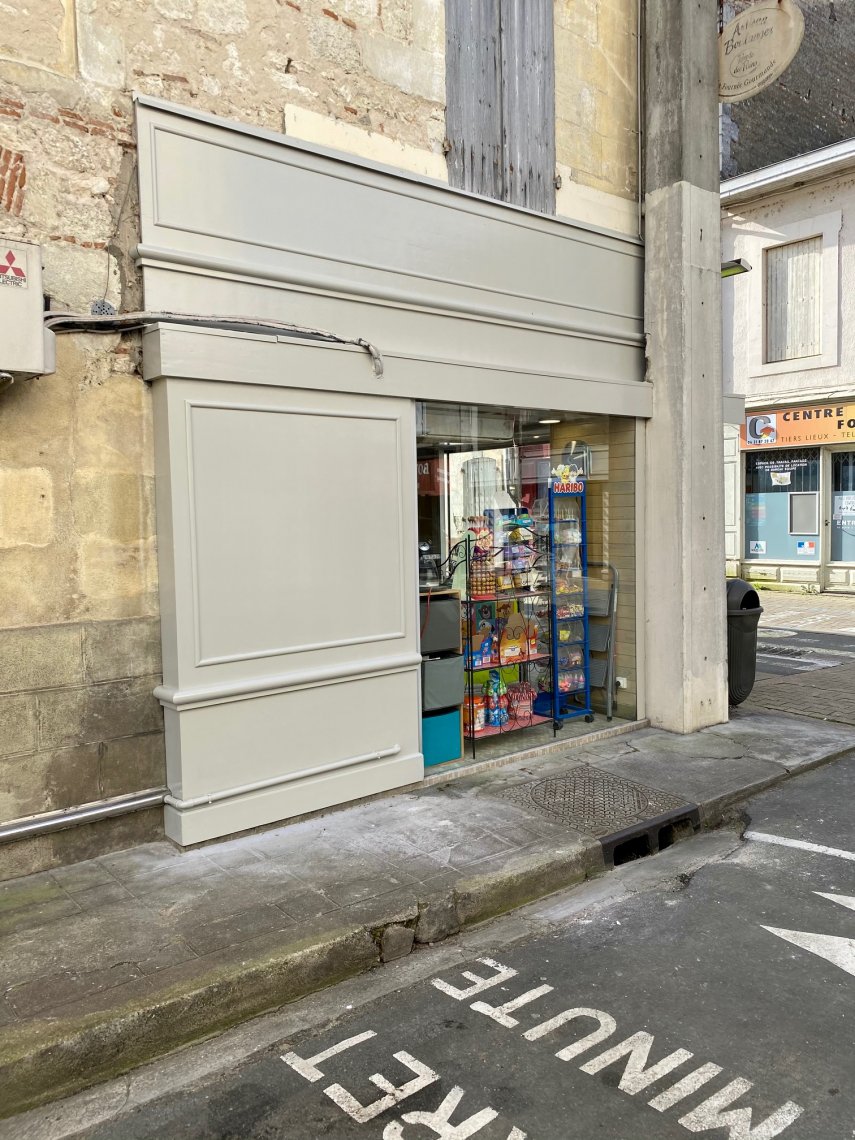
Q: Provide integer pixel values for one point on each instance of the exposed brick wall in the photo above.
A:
(811, 105)
(13, 179)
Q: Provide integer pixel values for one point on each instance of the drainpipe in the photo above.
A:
(50, 821)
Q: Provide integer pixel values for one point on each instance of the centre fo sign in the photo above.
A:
(793, 427)
(757, 47)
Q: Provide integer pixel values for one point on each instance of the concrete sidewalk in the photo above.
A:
(825, 694)
(115, 961)
(819, 613)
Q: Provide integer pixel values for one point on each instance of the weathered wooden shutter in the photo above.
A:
(794, 300)
(528, 103)
(500, 100)
(474, 96)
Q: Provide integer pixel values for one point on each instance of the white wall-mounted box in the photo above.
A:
(26, 347)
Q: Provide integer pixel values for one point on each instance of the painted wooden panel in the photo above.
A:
(286, 505)
(260, 225)
(286, 547)
(286, 532)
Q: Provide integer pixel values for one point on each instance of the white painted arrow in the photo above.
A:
(844, 900)
(839, 951)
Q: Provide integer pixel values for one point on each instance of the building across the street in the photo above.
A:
(789, 349)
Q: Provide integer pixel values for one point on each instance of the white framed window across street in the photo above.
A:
(794, 295)
(793, 300)
(804, 512)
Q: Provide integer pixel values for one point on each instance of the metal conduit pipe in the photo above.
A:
(50, 821)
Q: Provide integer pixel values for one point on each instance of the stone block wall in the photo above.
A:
(79, 605)
(78, 723)
(596, 93)
(79, 629)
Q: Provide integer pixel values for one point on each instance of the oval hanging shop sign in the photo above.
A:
(757, 47)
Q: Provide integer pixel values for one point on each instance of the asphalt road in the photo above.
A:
(710, 989)
(782, 650)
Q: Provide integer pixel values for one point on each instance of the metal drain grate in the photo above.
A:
(596, 802)
(781, 650)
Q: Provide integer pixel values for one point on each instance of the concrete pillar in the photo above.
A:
(685, 631)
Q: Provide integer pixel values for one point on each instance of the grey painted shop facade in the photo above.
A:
(286, 465)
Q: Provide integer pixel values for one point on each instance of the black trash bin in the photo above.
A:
(743, 614)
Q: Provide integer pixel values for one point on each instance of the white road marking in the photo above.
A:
(308, 1066)
(685, 1087)
(635, 1077)
(503, 974)
(608, 1025)
(362, 1113)
(800, 845)
(709, 1115)
(844, 900)
(839, 951)
(500, 1012)
(440, 1124)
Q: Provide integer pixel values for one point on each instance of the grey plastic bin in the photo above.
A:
(440, 621)
(442, 682)
(743, 616)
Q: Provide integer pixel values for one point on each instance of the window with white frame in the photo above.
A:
(793, 284)
(794, 300)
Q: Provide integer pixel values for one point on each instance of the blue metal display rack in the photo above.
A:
(568, 556)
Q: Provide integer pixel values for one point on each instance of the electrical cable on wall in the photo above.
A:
(128, 322)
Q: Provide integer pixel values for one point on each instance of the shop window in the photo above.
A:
(485, 533)
(500, 100)
(793, 305)
(793, 300)
(782, 504)
(843, 506)
(782, 471)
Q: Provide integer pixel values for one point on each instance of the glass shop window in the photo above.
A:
(782, 471)
(843, 506)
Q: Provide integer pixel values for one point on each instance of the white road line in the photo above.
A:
(800, 844)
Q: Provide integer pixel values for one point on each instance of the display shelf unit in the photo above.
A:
(490, 730)
(505, 631)
(570, 695)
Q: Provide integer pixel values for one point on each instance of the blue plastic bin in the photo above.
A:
(441, 740)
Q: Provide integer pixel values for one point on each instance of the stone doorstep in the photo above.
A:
(92, 1040)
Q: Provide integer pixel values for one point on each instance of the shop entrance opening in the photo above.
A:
(526, 522)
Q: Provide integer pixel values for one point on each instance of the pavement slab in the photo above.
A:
(713, 783)
(787, 740)
(821, 694)
(122, 958)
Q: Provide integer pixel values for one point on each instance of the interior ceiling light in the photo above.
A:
(549, 421)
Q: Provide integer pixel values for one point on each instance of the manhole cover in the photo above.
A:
(592, 801)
